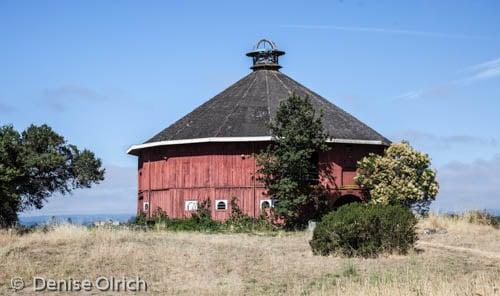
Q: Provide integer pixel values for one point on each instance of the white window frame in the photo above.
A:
(188, 202)
(217, 201)
(145, 206)
(270, 201)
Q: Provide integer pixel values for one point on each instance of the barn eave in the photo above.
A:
(134, 149)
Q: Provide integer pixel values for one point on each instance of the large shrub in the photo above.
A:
(402, 175)
(365, 230)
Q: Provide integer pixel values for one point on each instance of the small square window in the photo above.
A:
(145, 206)
(191, 205)
(221, 204)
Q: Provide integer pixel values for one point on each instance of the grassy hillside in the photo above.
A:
(460, 258)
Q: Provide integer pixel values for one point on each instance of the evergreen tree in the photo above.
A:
(289, 166)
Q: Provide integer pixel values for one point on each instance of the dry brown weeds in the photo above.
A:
(246, 264)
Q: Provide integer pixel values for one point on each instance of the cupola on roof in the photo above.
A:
(265, 55)
(240, 113)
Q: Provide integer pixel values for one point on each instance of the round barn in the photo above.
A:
(207, 154)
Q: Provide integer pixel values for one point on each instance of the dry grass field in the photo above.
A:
(459, 259)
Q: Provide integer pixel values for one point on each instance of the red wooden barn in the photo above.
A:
(207, 154)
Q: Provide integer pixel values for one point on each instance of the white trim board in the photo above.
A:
(238, 139)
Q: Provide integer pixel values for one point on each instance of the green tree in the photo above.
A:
(289, 166)
(35, 164)
(401, 175)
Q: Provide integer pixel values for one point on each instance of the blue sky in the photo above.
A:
(108, 74)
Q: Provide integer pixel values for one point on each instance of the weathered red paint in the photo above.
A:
(171, 175)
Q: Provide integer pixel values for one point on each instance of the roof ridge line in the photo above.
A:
(330, 104)
(235, 107)
(268, 99)
(282, 83)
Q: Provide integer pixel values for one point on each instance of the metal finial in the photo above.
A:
(265, 55)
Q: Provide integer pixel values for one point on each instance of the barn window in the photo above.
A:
(191, 205)
(145, 206)
(265, 204)
(221, 204)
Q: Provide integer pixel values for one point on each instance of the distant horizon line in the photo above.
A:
(94, 214)
(439, 211)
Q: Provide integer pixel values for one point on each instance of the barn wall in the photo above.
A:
(338, 166)
(171, 175)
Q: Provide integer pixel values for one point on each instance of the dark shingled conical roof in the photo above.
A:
(244, 108)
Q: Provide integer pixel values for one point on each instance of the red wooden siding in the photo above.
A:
(171, 175)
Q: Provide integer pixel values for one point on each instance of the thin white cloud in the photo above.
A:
(6, 108)
(59, 98)
(388, 31)
(440, 90)
(482, 71)
(411, 95)
(430, 140)
(486, 70)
